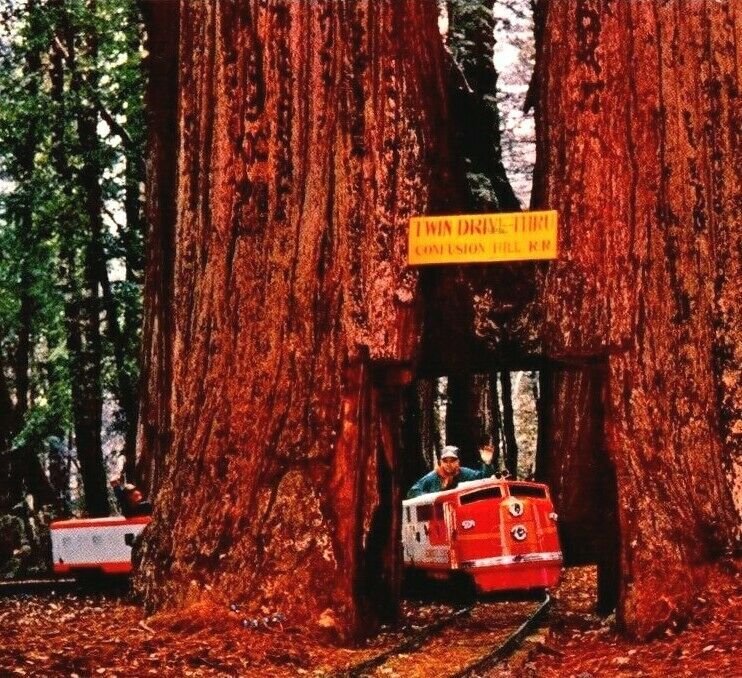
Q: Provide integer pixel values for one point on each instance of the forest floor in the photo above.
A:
(100, 634)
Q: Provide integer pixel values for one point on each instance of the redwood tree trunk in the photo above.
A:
(308, 134)
(636, 152)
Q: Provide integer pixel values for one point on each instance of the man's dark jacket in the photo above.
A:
(432, 482)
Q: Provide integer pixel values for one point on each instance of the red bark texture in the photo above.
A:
(639, 152)
(309, 133)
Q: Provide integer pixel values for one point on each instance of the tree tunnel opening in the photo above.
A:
(573, 460)
(545, 422)
(471, 410)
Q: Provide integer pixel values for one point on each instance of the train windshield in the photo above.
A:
(481, 495)
(517, 490)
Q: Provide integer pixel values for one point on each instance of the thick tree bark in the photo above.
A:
(574, 462)
(635, 152)
(308, 134)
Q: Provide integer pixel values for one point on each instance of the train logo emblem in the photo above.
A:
(519, 532)
(516, 509)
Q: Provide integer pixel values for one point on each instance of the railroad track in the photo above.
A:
(463, 644)
(50, 585)
(13, 587)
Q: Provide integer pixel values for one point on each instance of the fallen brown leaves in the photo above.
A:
(106, 635)
(580, 644)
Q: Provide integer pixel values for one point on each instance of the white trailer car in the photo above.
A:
(94, 544)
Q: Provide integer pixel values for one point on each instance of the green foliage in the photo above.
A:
(45, 233)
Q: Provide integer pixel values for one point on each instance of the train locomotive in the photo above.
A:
(501, 533)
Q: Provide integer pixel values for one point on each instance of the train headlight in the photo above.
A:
(519, 532)
(553, 516)
(516, 509)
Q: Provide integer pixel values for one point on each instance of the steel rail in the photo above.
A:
(510, 645)
(494, 656)
(9, 587)
(407, 645)
(83, 583)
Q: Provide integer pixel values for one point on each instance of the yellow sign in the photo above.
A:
(478, 238)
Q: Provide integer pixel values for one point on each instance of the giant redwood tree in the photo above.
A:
(308, 133)
(639, 151)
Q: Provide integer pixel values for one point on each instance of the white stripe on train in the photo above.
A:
(544, 556)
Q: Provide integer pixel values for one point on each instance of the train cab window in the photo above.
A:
(526, 491)
(424, 512)
(481, 495)
(407, 510)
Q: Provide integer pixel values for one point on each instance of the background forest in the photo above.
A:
(71, 255)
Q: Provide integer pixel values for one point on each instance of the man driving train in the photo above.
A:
(448, 473)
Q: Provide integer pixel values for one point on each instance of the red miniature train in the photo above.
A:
(502, 533)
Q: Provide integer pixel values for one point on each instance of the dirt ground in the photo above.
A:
(99, 634)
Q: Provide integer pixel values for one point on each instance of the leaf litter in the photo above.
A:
(107, 635)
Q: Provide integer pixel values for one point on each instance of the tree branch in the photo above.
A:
(115, 127)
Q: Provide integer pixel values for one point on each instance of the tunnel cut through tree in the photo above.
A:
(308, 134)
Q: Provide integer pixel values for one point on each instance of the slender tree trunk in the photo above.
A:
(427, 398)
(496, 419)
(154, 427)
(308, 133)
(461, 424)
(81, 304)
(132, 241)
(26, 161)
(126, 392)
(26, 155)
(88, 434)
(419, 431)
(23, 349)
(481, 412)
(10, 487)
(641, 170)
(7, 414)
(508, 425)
